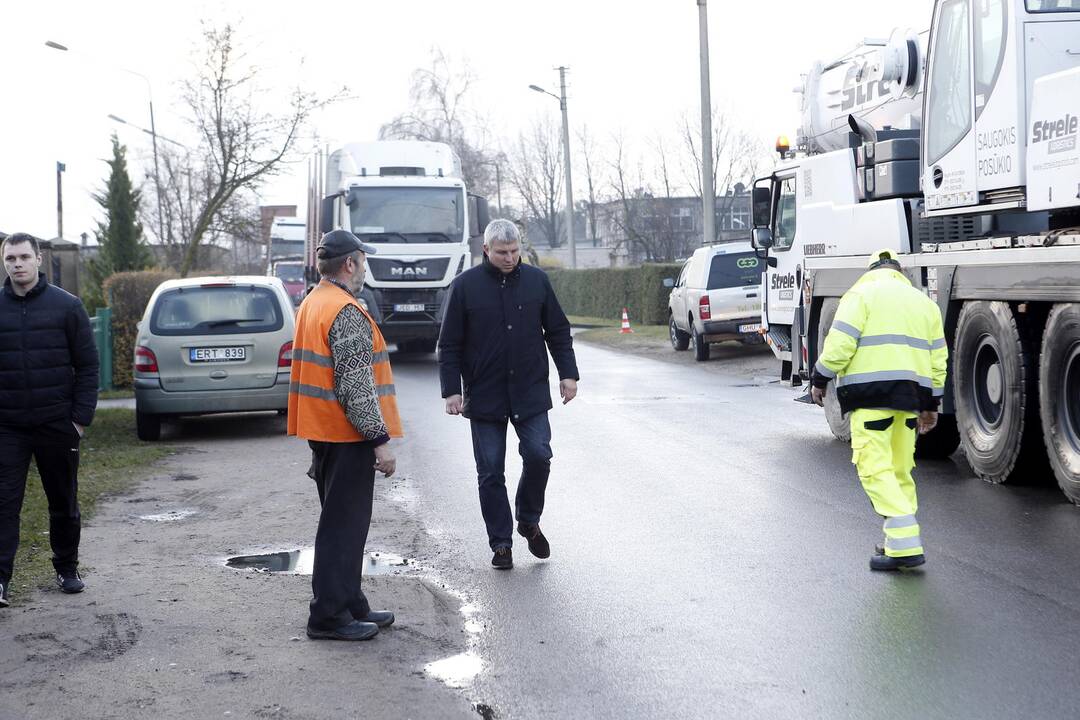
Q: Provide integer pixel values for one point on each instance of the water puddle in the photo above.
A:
(300, 562)
(171, 516)
(456, 671)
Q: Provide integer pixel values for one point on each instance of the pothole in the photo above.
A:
(301, 562)
(170, 516)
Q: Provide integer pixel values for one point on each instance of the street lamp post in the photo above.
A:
(498, 183)
(708, 193)
(561, 97)
(153, 137)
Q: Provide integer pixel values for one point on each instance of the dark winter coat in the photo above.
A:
(492, 345)
(48, 360)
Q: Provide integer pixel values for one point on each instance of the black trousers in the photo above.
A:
(344, 474)
(55, 448)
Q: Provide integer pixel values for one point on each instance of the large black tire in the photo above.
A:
(679, 340)
(939, 443)
(839, 421)
(701, 348)
(1059, 396)
(147, 427)
(996, 394)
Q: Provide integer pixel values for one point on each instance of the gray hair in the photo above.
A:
(501, 231)
(331, 267)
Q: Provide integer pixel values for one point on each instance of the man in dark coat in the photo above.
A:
(493, 367)
(48, 393)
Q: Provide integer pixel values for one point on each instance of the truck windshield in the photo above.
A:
(407, 214)
(734, 270)
(289, 273)
(1053, 5)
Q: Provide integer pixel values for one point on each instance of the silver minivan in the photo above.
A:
(212, 345)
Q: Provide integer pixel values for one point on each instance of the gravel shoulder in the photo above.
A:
(165, 629)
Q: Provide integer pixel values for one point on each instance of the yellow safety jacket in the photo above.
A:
(886, 347)
(314, 410)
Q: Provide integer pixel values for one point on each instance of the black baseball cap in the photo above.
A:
(341, 242)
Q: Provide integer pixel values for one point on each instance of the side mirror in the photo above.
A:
(761, 238)
(761, 201)
(669, 283)
(771, 262)
(483, 214)
(327, 213)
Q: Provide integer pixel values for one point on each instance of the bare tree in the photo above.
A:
(593, 180)
(245, 131)
(535, 172)
(440, 113)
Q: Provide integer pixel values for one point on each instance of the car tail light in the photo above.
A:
(704, 309)
(145, 360)
(284, 357)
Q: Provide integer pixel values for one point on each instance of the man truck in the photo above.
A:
(960, 149)
(408, 199)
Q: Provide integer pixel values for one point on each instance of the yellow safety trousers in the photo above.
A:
(883, 451)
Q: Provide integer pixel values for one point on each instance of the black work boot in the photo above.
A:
(503, 559)
(68, 581)
(4, 602)
(887, 562)
(382, 618)
(355, 630)
(538, 544)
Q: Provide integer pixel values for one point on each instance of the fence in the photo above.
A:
(101, 325)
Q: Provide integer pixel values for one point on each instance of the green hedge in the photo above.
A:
(604, 292)
(127, 294)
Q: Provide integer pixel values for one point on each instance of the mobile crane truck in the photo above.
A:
(960, 149)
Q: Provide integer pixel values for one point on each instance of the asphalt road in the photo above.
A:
(710, 547)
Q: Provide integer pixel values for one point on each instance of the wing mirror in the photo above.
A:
(761, 238)
(669, 283)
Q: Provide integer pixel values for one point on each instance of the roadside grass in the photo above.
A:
(643, 335)
(110, 463)
(116, 394)
(587, 321)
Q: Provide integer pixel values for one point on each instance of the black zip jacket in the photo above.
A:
(48, 360)
(492, 344)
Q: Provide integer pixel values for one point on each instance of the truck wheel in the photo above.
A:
(701, 348)
(679, 340)
(147, 427)
(1059, 396)
(839, 421)
(939, 443)
(995, 389)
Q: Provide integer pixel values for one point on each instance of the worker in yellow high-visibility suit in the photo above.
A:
(886, 349)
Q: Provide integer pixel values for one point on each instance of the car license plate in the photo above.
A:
(217, 354)
(752, 327)
(409, 307)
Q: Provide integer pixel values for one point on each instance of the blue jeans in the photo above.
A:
(489, 449)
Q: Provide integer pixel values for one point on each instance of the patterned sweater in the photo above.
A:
(351, 346)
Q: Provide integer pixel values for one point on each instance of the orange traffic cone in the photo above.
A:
(625, 323)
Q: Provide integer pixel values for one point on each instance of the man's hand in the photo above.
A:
(453, 405)
(384, 460)
(568, 389)
(927, 421)
(79, 429)
(818, 396)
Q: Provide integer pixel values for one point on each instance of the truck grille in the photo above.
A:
(389, 270)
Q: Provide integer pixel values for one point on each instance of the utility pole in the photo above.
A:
(566, 162)
(60, 168)
(708, 193)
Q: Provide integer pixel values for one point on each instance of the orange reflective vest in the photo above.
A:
(314, 410)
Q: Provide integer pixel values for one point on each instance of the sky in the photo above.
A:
(634, 70)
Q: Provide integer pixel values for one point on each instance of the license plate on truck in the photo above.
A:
(750, 328)
(217, 354)
(409, 307)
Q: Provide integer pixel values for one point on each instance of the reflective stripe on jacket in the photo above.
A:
(886, 347)
(314, 410)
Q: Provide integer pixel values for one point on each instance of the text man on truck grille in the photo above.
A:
(887, 351)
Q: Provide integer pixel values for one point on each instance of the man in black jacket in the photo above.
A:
(48, 393)
(493, 368)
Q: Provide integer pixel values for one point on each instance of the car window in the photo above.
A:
(949, 102)
(220, 310)
(735, 270)
(682, 274)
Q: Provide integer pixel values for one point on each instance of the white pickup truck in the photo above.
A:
(716, 298)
